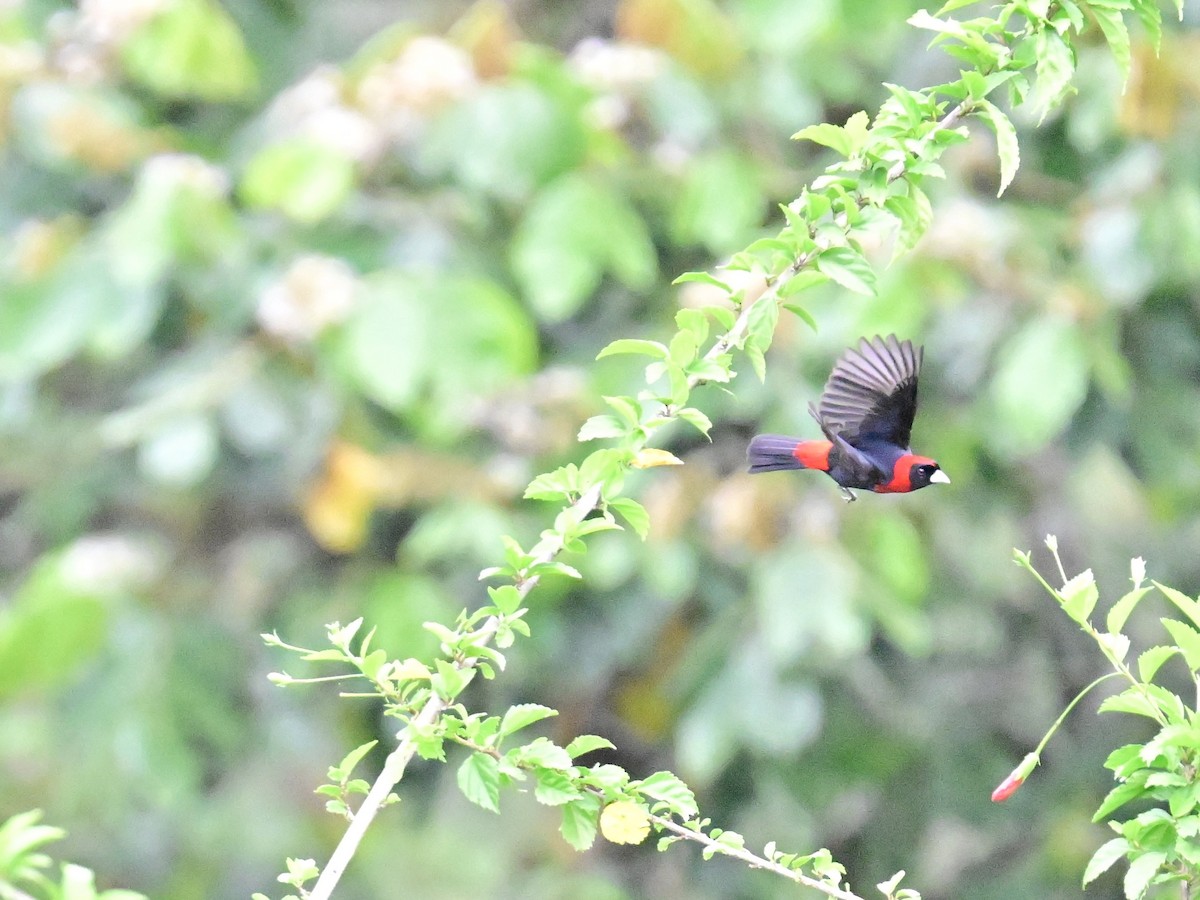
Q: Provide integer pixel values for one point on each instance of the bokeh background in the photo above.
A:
(298, 295)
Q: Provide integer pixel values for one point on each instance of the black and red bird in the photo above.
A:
(866, 412)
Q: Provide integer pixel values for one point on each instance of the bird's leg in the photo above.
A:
(848, 494)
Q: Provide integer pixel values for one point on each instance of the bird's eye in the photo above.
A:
(925, 469)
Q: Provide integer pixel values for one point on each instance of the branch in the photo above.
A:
(949, 120)
(544, 552)
(398, 760)
(667, 824)
(751, 859)
(551, 545)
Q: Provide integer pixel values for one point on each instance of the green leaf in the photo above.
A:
(1124, 760)
(1025, 416)
(601, 427)
(452, 353)
(633, 513)
(541, 752)
(629, 409)
(953, 5)
(20, 835)
(352, 759)
(448, 636)
(1007, 147)
(816, 205)
(479, 780)
(577, 230)
(1079, 596)
(724, 316)
(1131, 701)
(760, 331)
(604, 467)
(1118, 797)
(1122, 609)
(857, 130)
(635, 345)
(720, 202)
(667, 787)
(1055, 68)
(914, 213)
(912, 103)
(703, 278)
(554, 485)
(922, 19)
(554, 788)
(1141, 871)
(696, 419)
(586, 743)
(580, 820)
(522, 715)
(832, 136)
(1112, 23)
(803, 314)
(506, 598)
(1184, 736)
(192, 48)
(1152, 660)
(1186, 604)
(509, 137)
(718, 369)
(430, 743)
(450, 680)
(372, 662)
(694, 321)
(849, 268)
(1188, 640)
(683, 349)
(49, 629)
(801, 281)
(44, 323)
(556, 568)
(975, 85)
(1103, 859)
(302, 178)
(1151, 19)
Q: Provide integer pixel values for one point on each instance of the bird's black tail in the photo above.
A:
(772, 453)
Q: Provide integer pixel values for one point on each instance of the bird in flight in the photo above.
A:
(866, 412)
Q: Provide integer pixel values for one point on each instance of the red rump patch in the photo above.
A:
(813, 454)
(902, 474)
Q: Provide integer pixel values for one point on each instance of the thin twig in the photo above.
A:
(947, 121)
(398, 759)
(752, 859)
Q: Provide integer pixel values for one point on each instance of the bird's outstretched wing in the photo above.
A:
(871, 395)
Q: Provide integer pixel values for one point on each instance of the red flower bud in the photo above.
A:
(1015, 779)
(1007, 788)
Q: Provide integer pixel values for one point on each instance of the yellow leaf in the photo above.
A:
(488, 33)
(650, 457)
(695, 33)
(338, 507)
(624, 822)
(410, 669)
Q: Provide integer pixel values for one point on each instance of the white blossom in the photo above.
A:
(316, 292)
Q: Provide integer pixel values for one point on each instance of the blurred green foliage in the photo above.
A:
(297, 296)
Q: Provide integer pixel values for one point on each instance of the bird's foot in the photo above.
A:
(848, 494)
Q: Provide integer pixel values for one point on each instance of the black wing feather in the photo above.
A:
(871, 395)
